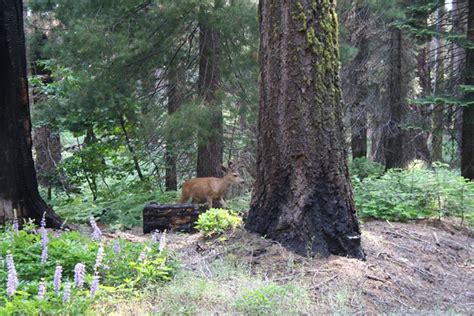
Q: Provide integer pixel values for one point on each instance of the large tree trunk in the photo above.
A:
(210, 141)
(438, 109)
(302, 196)
(467, 147)
(18, 184)
(394, 149)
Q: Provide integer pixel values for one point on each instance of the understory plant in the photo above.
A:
(76, 271)
(217, 221)
(415, 192)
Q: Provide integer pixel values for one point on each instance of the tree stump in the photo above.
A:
(172, 217)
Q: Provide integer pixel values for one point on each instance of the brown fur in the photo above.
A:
(207, 189)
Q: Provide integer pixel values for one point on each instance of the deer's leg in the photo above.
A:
(209, 202)
(223, 203)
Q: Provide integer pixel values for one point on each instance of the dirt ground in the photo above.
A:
(411, 268)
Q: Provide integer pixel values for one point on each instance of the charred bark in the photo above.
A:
(210, 141)
(302, 196)
(467, 146)
(18, 183)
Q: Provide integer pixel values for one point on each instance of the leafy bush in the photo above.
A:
(125, 267)
(415, 192)
(217, 221)
(363, 168)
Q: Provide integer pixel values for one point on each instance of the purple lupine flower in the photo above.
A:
(67, 292)
(162, 245)
(154, 237)
(117, 248)
(15, 225)
(142, 255)
(96, 233)
(41, 289)
(44, 254)
(94, 285)
(43, 221)
(12, 279)
(57, 279)
(79, 272)
(99, 258)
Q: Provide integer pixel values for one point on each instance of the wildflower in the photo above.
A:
(117, 248)
(142, 255)
(44, 254)
(12, 279)
(94, 285)
(67, 292)
(57, 279)
(43, 221)
(79, 272)
(41, 289)
(96, 233)
(162, 241)
(154, 237)
(15, 226)
(99, 258)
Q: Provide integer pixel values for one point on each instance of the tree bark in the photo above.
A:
(302, 196)
(174, 103)
(359, 119)
(18, 184)
(210, 141)
(394, 149)
(438, 109)
(467, 146)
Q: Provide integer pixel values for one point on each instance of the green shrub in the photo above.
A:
(217, 221)
(415, 192)
(363, 168)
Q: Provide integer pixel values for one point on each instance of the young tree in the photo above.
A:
(18, 184)
(303, 195)
(467, 146)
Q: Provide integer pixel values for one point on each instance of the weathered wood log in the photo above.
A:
(172, 217)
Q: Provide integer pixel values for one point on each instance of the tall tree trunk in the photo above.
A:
(174, 103)
(210, 142)
(18, 184)
(131, 149)
(359, 119)
(394, 150)
(467, 147)
(303, 195)
(438, 109)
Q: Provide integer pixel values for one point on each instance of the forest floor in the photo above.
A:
(422, 267)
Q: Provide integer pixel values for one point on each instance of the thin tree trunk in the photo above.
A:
(174, 103)
(210, 142)
(131, 149)
(438, 109)
(18, 184)
(302, 196)
(467, 149)
(394, 150)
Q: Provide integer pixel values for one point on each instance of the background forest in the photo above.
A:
(130, 98)
(126, 93)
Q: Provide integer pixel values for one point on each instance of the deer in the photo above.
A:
(210, 188)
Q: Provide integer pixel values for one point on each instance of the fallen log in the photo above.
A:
(172, 217)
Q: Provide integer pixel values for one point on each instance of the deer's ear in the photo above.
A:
(224, 168)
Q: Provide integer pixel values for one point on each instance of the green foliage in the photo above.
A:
(416, 192)
(272, 299)
(363, 168)
(217, 221)
(120, 205)
(119, 273)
